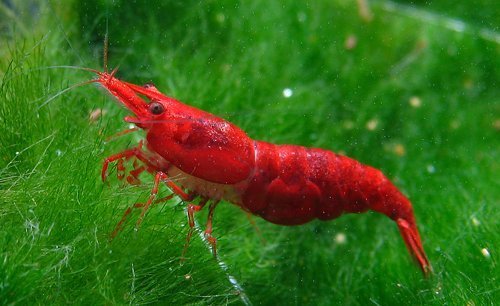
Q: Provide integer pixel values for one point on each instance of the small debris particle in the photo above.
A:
(287, 92)
(455, 124)
(95, 114)
(468, 83)
(372, 124)
(421, 44)
(496, 124)
(187, 276)
(431, 168)
(340, 238)
(220, 18)
(485, 252)
(351, 42)
(399, 150)
(301, 16)
(364, 11)
(415, 102)
(348, 125)
(226, 67)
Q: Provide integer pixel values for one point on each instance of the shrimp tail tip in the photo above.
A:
(413, 243)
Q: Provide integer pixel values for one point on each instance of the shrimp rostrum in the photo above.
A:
(214, 160)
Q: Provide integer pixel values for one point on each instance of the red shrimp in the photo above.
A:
(211, 159)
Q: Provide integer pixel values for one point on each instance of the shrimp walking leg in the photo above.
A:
(127, 154)
(119, 225)
(191, 209)
(208, 230)
(159, 177)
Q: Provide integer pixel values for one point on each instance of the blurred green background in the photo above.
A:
(409, 87)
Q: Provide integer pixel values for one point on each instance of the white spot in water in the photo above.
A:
(301, 16)
(454, 124)
(438, 289)
(372, 124)
(456, 25)
(17, 153)
(287, 92)
(351, 42)
(348, 125)
(431, 169)
(59, 152)
(131, 126)
(340, 238)
(415, 102)
(475, 221)
(485, 252)
(220, 18)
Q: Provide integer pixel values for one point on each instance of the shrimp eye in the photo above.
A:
(156, 108)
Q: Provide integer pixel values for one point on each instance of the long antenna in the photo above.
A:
(106, 40)
(106, 49)
(65, 90)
